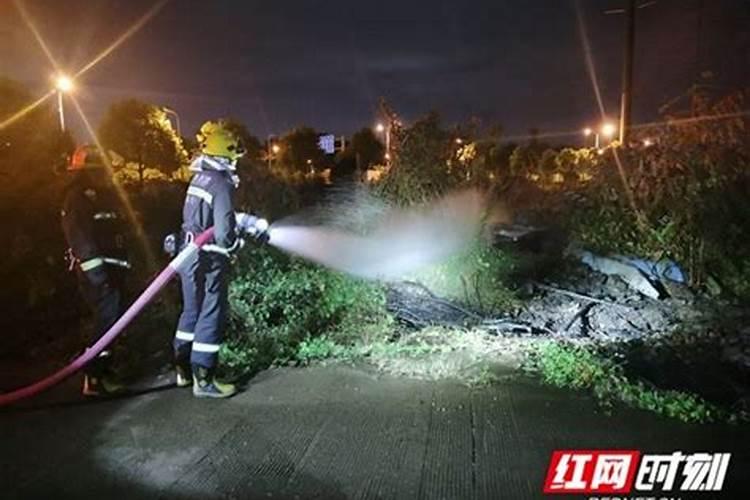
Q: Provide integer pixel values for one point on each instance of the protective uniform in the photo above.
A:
(94, 229)
(208, 203)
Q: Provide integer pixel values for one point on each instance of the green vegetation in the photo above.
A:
(580, 367)
(477, 277)
(141, 137)
(692, 176)
(279, 302)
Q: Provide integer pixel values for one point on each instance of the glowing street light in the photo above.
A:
(63, 84)
(608, 129)
(459, 141)
(647, 142)
(272, 150)
(380, 128)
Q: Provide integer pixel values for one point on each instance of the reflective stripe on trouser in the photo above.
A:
(204, 300)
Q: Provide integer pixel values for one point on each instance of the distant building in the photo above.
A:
(330, 144)
(327, 143)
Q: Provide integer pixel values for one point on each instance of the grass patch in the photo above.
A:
(435, 353)
(581, 367)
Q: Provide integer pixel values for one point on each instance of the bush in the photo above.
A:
(685, 198)
(278, 302)
(420, 168)
(579, 367)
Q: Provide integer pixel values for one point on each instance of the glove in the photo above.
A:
(245, 222)
(170, 245)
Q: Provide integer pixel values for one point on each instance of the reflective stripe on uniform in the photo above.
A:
(217, 249)
(105, 215)
(200, 193)
(117, 262)
(201, 347)
(90, 264)
(186, 336)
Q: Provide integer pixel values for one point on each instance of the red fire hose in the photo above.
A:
(115, 330)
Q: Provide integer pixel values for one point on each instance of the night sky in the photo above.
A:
(278, 64)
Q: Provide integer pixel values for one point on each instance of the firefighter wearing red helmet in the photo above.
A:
(94, 229)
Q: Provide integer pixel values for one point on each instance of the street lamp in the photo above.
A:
(588, 132)
(380, 128)
(608, 130)
(63, 84)
(172, 112)
(273, 150)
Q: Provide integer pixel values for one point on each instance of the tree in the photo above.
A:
(254, 148)
(367, 149)
(345, 163)
(300, 151)
(142, 135)
(420, 165)
(524, 160)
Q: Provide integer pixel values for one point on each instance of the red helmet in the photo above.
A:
(85, 157)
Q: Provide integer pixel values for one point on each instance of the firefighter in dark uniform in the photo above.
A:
(94, 229)
(208, 203)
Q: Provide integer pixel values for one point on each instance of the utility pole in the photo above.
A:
(60, 111)
(626, 98)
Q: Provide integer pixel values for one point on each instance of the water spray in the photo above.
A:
(400, 242)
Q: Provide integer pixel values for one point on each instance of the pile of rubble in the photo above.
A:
(595, 305)
(605, 299)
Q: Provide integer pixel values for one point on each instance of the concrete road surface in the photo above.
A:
(328, 433)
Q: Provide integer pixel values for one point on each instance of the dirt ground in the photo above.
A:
(326, 432)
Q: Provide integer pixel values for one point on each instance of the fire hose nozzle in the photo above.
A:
(253, 225)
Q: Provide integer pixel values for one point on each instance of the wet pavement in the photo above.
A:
(329, 433)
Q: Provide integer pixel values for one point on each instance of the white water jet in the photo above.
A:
(402, 241)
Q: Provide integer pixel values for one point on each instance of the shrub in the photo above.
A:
(278, 302)
(420, 169)
(692, 176)
(580, 367)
